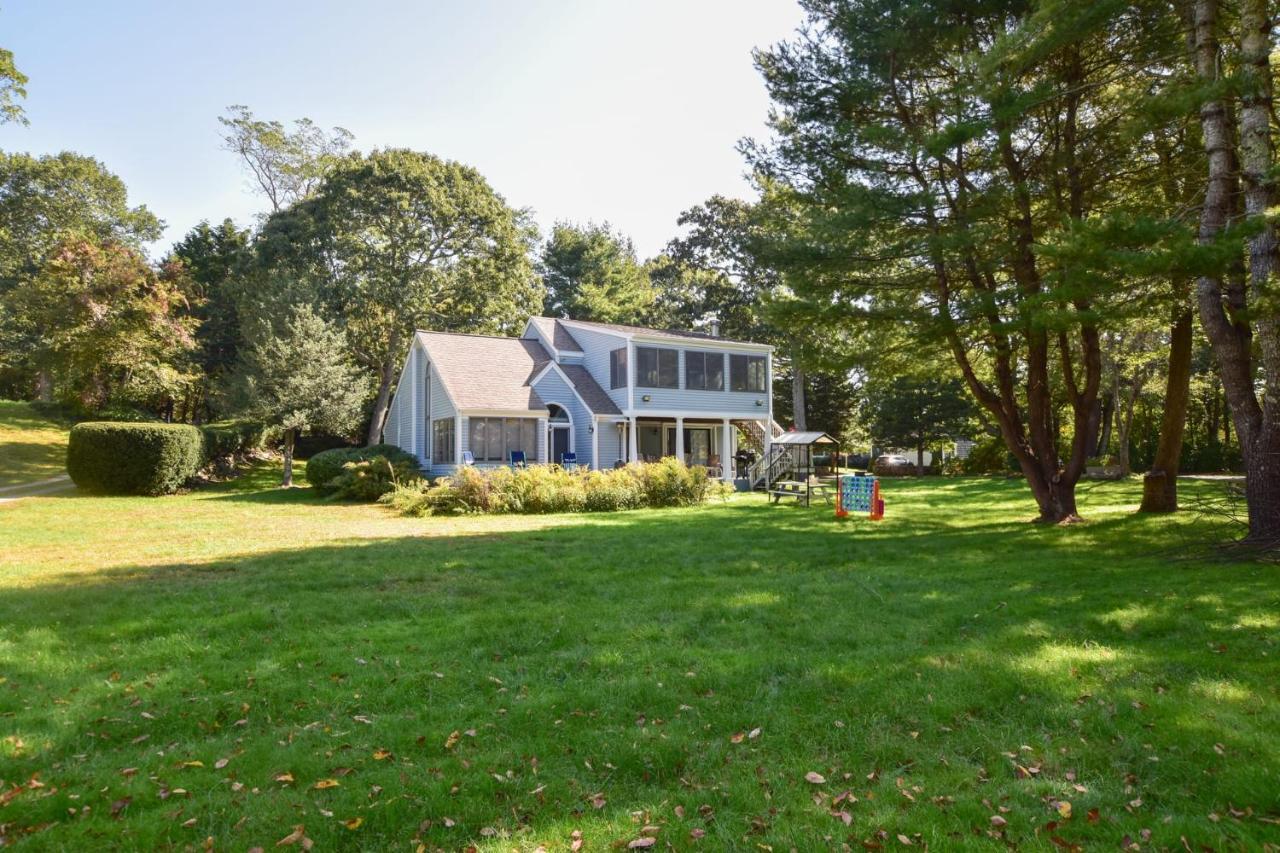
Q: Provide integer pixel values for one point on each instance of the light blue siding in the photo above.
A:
(438, 406)
(552, 388)
(736, 403)
(596, 346)
(610, 442)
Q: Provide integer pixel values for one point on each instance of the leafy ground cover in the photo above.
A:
(33, 446)
(238, 662)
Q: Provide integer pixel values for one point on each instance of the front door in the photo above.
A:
(559, 443)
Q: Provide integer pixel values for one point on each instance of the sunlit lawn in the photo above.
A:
(32, 446)
(236, 662)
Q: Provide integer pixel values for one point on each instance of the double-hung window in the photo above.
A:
(747, 373)
(657, 368)
(704, 371)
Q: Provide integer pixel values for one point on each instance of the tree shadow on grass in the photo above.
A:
(624, 652)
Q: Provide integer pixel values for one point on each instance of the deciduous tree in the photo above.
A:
(591, 273)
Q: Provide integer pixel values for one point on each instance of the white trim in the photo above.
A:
(550, 425)
(631, 375)
(595, 445)
(457, 438)
(503, 413)
(413, 413)
(693, 414)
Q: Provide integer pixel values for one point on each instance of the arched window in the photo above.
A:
(557, 414)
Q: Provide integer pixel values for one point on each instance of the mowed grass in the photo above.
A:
(32, 446)
(233, 663)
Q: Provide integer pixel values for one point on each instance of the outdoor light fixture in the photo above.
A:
(647, 398)
(759, 402)
(591, 428)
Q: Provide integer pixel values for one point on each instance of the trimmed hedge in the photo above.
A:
(223, 440)
(327, 465)
(133, 458)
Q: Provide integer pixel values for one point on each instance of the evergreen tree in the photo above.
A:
(591, 273)
(301, 378)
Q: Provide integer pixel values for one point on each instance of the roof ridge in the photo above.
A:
(469, 335)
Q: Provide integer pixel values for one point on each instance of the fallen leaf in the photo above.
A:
(696, 833)
(1064, 809)
(192, 764)
(354, 823)
(815, 778)
(452, 741)
(754, 733)
(299, 833)
(326, 783)
(381, 755)
(120, 805)
(221, 763)
(642, 843)
(996, 820)
(902, 839)
(737, 737)
(284, 778)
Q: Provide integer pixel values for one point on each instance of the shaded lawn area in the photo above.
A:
(235, 662)
(32, 446)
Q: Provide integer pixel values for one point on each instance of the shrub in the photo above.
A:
(549, 488)
(370, 479)
(133, 458)
(224, 440)
(325, 466)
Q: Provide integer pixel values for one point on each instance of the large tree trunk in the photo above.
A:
(1160, 485)
(797, 395)
(287, 479)
(1104, 434)
(386, 376)
(1224, 310)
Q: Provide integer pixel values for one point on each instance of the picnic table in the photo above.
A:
(800, 490)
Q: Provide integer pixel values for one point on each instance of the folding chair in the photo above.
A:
(517, 459)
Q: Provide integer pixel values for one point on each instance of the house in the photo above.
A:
(604, 392)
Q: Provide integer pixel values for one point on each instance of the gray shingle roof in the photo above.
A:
(672, 334)
(481, 372)
(596, 398)
(559, 335)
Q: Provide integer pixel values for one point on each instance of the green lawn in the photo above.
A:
(232, 663)
(32, 446)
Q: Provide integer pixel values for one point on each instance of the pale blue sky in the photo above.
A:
(606, 110)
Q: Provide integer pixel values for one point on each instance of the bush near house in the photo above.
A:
(326, 466)
(133, 458)
(370, 479)
(550, 488)
(224, 440)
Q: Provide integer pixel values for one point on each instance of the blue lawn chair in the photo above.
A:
(468, 458)
(569, 461)
(517, 459)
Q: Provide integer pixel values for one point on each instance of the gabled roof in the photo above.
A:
(794, 437)
(659, 334)
(554, 331)
(596, 398)
(482, 372)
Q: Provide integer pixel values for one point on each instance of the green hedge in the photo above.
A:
(133, 458)
(326, 466)
(223, 440)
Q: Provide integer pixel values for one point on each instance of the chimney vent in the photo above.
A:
(715, 328)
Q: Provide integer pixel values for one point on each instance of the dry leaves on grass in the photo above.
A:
(815, 778)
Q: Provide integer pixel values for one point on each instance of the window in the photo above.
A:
(618, 368)
(493, 439)
(442, 438)
(704, 371)
(747, 373)
(657, 368)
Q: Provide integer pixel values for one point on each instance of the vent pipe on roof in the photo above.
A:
(715, 328)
